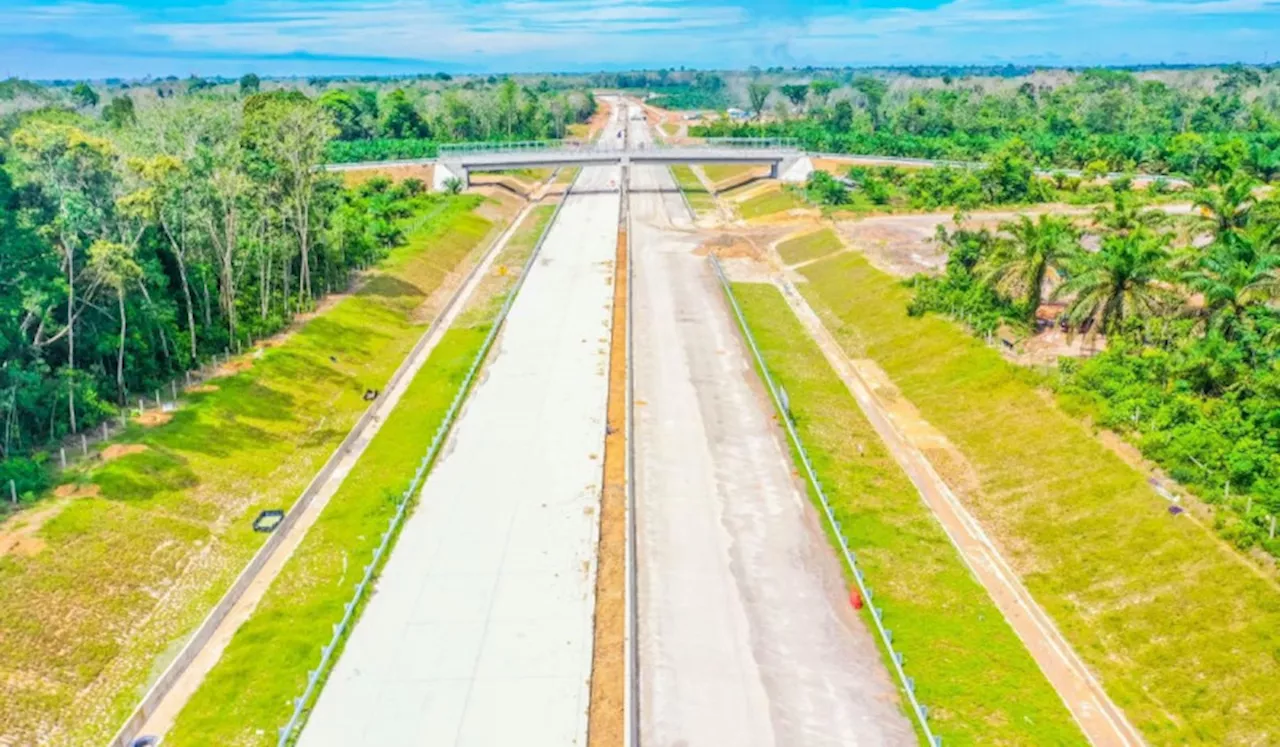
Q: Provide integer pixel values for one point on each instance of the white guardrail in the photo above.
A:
(316, 676)
(920, 710)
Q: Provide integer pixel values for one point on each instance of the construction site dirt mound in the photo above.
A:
(728, 246)
(76, 490)
(118, 451)
(152, 418)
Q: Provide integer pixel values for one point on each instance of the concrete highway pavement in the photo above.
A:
(480, 629)
(745, 633)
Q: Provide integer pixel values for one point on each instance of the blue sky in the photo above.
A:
(130, 38)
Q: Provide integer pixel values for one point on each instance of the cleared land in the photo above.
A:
(86, 623)
(1181, 630)
(981, 685)
(266, 664)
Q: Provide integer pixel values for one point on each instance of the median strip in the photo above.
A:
(606, 718)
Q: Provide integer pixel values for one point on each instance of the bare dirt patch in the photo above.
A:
(904, 245)
(231, 368)
(1046, 347)
(153, 418)
(117, 451)
(730, 246)
(201, 388)
(356, 177)
(18, 534)
(77, 490)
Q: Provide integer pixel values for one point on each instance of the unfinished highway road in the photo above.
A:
(745, 633)
(480, 628)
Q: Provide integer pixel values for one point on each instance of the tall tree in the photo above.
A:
(84, 96)
(249, 83)
(399, 117)
(1121, 280)
(76, 170)
(113, 265)
(796, 93)
(758, 92)
(293, 137)
(509, 102)
(1023, 259)
(874, 89)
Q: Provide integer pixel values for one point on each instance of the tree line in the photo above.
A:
(408, 123)
(134, 248)
(1191, 365)
(1107, 118)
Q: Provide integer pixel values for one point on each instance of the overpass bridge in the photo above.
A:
(783, 156)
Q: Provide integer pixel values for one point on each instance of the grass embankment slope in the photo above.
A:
(979, 681)
(1184, 633)
(809, 246)
(723, 172)
(90, 619)
(249, 693)
(699, 198)
(769, 202)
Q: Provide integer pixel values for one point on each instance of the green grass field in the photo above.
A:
(528, 175)
(567, 175)
(89, 620)
(699, 198)
(719, 172)
(810, 246)
(768, 203)
(981, 685)
(1183, 632)
(247, 696)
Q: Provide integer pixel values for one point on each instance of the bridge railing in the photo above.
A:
(520, 146)
(733, 143)
(456, 150)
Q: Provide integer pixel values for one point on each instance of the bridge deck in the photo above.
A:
(596, 157)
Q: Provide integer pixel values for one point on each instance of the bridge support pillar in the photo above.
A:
(793, 169)
(446, 170)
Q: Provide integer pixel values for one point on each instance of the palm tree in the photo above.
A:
(1228, 208)
(1020, 262)
(1118, 281)
(1126, 214)
(1241, 269)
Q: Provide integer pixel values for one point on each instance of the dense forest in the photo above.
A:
(1187, 321)
(410, 123)
(1114, 120)
(137, 241)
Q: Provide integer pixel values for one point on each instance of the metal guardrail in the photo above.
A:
(877, 614)
(315, 676)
